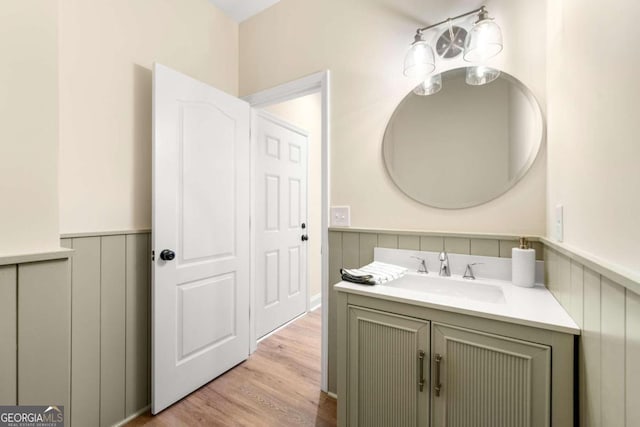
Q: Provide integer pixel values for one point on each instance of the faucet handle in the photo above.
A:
(468, 272)
(423, 264)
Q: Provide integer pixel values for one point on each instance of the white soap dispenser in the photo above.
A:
(523, 265)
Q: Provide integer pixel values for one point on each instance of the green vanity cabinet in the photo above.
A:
(407, 365)
(485, 380)
(388, 369)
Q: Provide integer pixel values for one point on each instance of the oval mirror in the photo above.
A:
(464, 145)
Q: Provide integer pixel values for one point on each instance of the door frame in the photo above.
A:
(314, 83)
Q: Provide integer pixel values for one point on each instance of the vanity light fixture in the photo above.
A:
(481, 75)
(430, 85)
(482, 42)
(419, 61)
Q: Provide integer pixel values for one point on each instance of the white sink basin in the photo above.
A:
(451, 287)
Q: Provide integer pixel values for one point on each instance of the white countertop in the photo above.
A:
(523, 306)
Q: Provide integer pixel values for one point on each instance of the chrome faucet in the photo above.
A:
(444, 264)
(423, 265)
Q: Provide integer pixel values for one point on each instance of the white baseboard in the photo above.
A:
(315, 301)
(132, 416)
(333, 395)
(279, 328)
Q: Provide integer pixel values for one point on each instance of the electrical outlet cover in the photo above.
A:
(559, 223)
(340, 216)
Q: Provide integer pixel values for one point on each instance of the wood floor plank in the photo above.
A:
(278, 385)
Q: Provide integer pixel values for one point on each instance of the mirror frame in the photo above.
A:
(540, 128)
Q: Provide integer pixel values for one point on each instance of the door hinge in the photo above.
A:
(153, 255)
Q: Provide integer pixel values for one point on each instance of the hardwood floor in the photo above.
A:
(279, 385)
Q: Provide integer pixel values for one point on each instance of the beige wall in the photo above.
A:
(107, 49)
(593, 128)
(363, 43)
(28, 126)
(305, 112)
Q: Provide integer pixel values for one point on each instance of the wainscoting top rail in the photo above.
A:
(104, 233)
(628, 279)
(60, 253)
(467, 235)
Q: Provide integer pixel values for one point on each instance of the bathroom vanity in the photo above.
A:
(425, 350)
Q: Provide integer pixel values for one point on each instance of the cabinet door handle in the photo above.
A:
(438, 386)
(421, 366)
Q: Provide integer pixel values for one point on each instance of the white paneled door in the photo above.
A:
(201, 241)
(281, 229)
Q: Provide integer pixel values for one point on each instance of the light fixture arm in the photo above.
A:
(481, 11)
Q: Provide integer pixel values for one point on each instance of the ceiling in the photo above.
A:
(239, 10)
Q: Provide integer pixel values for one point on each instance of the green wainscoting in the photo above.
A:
(110, 332)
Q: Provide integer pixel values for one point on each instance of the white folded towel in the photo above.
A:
(375, 273)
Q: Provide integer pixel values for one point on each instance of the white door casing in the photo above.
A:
(201, 201)
(280, 222)
(317, 82)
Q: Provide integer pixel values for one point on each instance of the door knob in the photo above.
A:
(304, 237)
(167, 255)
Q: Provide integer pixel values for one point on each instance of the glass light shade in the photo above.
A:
(481, 75)
(484, 41)
(429, 86)
(419, 61)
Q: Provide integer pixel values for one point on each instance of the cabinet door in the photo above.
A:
(388, 369)
(483, 380)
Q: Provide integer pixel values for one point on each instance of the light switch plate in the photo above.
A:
(559, 226)
(340, 216)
